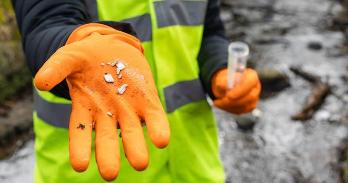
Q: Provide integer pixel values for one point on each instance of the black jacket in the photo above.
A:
(45, 26)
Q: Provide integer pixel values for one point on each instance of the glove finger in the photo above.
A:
(107, 149)
(157, 123)
(250, 80)
(80, 137)
(242, 109)
(224, 104)
(220, 85)
(247, 99)
(56, 69)
(133, 139)
(221, 88)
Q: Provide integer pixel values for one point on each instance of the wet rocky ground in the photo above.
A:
(310, 34)
(282, 34)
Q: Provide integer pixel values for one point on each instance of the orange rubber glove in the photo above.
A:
(242, 98)
(93, 54)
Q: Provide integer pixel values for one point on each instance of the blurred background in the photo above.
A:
(299, 134)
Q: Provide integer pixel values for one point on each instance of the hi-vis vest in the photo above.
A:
(171, 33)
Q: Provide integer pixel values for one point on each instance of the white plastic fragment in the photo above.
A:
(102, 64)
(122, 89)
(113, 63)
(109, 114)
(120, 65)
(108, 78)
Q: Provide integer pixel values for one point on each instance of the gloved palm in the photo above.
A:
(87, 62)
(242, 98)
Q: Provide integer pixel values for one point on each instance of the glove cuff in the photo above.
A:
(86, 30)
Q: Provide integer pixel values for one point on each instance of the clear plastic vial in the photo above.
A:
(238, 53)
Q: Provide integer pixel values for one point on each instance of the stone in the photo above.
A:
(273, 81)
(315, 45)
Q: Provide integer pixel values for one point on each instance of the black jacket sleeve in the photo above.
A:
(213, 53)
(45, 25)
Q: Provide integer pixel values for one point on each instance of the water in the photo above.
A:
(19, 168)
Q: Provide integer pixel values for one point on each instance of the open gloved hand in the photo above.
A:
(111, 85)
(242, 98)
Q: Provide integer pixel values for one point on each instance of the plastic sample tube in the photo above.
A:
(238, 53)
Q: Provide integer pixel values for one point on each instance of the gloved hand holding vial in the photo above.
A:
(238, 54)
(237, 88)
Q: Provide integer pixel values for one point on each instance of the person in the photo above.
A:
(115, 72)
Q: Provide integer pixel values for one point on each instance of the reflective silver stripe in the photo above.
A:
(180, 12)
(168, 13)
(142, 26)
(54, 114)
(176, 95)
(183, 93)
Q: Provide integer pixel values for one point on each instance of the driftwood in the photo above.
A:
(317, 97)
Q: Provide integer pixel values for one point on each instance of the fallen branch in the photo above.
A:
(305, 75)
(317, 97)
